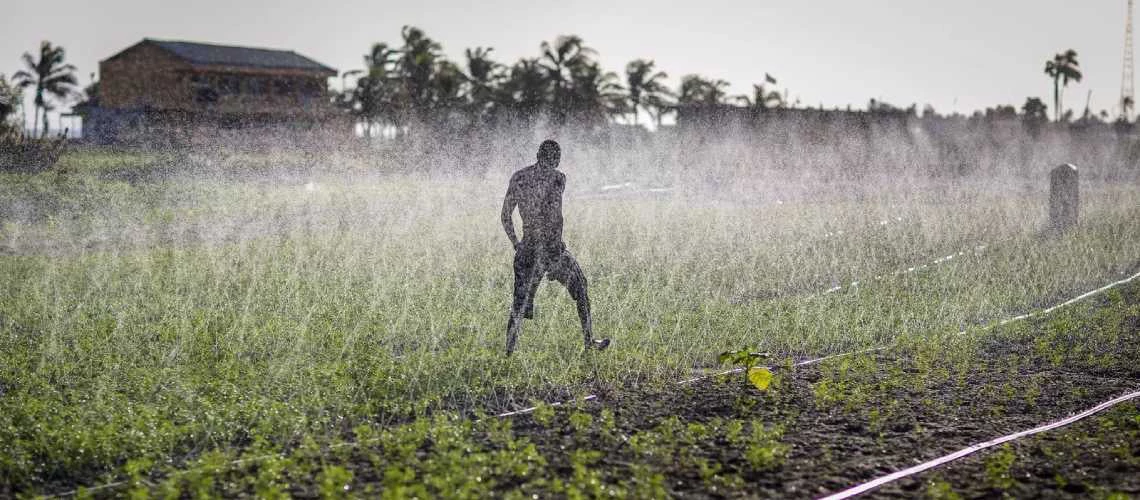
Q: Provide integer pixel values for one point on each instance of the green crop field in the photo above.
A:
(344, 332)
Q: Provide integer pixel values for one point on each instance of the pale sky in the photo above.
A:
(955, 55)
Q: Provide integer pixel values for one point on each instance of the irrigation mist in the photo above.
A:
(286, 284)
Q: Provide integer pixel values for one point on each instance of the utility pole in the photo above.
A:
(1127, 88)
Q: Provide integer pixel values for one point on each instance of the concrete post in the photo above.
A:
(1064, 197)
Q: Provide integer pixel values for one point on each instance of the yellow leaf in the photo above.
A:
(760, 377)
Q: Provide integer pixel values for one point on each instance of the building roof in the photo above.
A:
(228, 55)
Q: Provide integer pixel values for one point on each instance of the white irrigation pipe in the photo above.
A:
(875, 483)
(894, 476)
(625, 189)
(997, 324)
(919, 267)
(1071, 301)
(531, 409)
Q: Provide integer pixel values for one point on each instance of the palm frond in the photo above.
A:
(23, 79)
(29, 61)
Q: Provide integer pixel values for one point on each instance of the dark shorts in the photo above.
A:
(533, 261)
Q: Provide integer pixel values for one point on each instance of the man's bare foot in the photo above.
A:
(599, 344)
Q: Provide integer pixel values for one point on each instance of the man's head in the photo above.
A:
(549, 154)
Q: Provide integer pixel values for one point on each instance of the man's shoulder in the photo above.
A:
(522, 172)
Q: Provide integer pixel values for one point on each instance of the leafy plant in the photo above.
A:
(759, 376)
(765, 451)
(543, 413)
(335, 482)
(941, 490)
(581, 421)
(998, 466)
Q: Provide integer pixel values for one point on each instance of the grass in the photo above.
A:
(177, 321)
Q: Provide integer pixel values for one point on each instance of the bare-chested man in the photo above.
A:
(537, 191)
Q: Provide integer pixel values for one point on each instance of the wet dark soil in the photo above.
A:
(853, 419)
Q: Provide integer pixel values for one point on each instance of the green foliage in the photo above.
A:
(543, 413)
(765, 452)
(11, 98)
(743, 357)
(759, 377)
(647, 483)
(136, 471)
(606, 420)
(581, 422)
(998, 465)
(335, 482)
(941, 490)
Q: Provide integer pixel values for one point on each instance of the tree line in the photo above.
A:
(414, 84)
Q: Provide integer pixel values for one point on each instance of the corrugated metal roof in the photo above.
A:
(226, 55)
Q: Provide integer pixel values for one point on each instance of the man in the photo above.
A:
(537, 192)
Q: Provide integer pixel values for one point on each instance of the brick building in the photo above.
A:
(158, 87)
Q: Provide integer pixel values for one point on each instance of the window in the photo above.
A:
(229, 85)
(312, 88)
(205, 95)
(203, 89)
(256, 86)
(282, 87)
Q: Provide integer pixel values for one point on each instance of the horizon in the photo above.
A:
(830, 60)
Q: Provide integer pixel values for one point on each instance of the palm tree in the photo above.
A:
(763, 99)
(594, 94)
(566, 52)
(658, 105)
(483, 74)
(447, 86)
(417, 67)
(1062, 68)
(698, 90)
(644, 85)
(376, 96)
(10, 98)
(560, 60)
(51, 78)
(1034, 114)
(1034, 109)
(526, 89)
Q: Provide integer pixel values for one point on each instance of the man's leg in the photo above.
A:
(528, 313)
(570, 274)
(526, 271)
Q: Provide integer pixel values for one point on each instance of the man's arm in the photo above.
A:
(509, 203)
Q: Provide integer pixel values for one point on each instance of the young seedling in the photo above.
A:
(759, 376)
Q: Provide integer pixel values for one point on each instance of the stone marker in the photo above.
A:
(1064, 197)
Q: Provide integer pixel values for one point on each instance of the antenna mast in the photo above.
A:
(1127, 88)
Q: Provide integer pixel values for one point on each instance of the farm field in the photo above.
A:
(342, 334)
